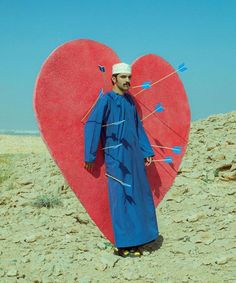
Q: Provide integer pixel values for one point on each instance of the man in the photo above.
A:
(127, 151)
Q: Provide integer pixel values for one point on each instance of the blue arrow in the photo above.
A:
(177, 149)
(168, 159)
(146, 85)
(159, 107)
(101, 68)
(182, 67)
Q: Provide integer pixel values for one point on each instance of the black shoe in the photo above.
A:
(121, 252)
(135, 252)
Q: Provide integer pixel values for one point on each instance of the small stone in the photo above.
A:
(85, 279)
(203, 237)
(71, 230)
(194, 175)
(82, 219)
(32, 238)
(108, 259)
(69, 212)
(220, 156)
(222, 260)
(177, 219)
(12, 272)
(178, 199)
(101, 245)
(130, 274)
(195, 217)
(231, 176)
(82, 247)
(100, 266)
(224, 167)
(24, 182)
(207, 260)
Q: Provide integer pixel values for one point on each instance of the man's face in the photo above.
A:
(122, 81)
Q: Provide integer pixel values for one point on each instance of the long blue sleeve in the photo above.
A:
(92, 129)
(143, 139)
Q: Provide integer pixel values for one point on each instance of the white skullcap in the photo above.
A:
(121, 68)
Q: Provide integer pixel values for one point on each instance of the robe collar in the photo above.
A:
(117, 97)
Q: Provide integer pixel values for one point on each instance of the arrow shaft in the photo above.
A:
(151, 113)
(115, 123)
(140, 85)
(90, 109)
(122, 183)
(165, 77)
(148, 115)
(113, 146)
(160, 146)
(104, 82)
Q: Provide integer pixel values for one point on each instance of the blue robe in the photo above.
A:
(125, 146)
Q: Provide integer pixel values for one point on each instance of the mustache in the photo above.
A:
(127, 84)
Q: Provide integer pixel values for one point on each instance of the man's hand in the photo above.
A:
(148, 160)
(89, 166)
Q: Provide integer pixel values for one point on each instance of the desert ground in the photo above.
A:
(46, 236)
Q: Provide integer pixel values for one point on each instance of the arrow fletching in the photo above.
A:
(182, 67)
(146, 85)
(159, 108)
(177, 149)
(101, 68)
(168, 159)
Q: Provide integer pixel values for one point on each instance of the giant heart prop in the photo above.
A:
(68, 85)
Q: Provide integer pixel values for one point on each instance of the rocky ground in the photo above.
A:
(46, 235)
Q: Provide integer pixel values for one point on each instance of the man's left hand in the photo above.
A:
(148, 160)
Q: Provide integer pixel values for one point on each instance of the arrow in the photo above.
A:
(115, 123)
(180, 68)
(144, 85)
(167, 159)
(113, 146)
(102, 69)
(122, 183)
(175, 149)
(158, 108)
(99, 95)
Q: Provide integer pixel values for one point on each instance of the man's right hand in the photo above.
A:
(89, 166)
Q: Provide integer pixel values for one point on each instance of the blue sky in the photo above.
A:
(200, 33)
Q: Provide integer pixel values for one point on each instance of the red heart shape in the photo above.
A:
(68, 85)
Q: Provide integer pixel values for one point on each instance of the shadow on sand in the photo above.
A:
(153, 245)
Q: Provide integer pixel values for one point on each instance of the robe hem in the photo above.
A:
(137, 243)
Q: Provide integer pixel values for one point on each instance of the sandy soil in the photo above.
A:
(58, 242)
